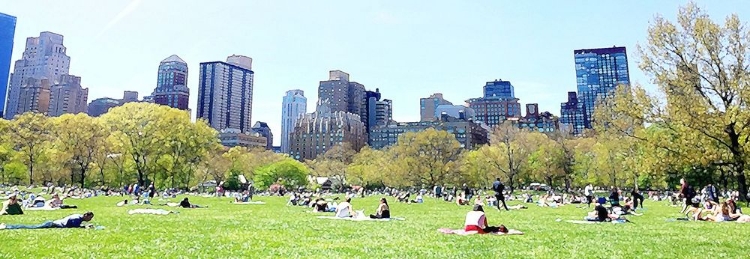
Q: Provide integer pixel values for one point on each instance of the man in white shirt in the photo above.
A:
(344, 209)
(589, 192)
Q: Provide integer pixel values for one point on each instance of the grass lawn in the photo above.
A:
(274, 230)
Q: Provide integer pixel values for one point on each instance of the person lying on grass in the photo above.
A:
(72, 221)
(383, 212)
(476, 220)
(601, 214)
(11, 206)
(185, 203)
(56, 202)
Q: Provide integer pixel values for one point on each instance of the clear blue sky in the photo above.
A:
(408, 49)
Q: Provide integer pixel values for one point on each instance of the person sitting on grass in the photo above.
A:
(72, 221)
(477, 221)
(601, 214)
(383, 212)
(11, 206)
(478, 200)
(345, 210)
(245, 197)
(320, 205)
(460, 200)
(185, 203)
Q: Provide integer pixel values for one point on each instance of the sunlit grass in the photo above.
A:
(274, 230)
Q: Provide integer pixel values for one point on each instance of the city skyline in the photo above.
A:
(407, 50)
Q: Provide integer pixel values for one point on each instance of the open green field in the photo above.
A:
(274, 230)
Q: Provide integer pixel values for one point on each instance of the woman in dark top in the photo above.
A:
(186, 204)
(384, 212)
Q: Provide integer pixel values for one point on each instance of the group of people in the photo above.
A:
(713, 209)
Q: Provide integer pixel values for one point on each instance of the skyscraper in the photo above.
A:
(499, 89)
(494, 111)
(571, 114)
(225, 93)
(33, 95)
(68, 96)
(598, 73)
(265, 131)
(7, 32)
(294, 105)
(171, 85)
(340, 94)
(375, 112)
(43, 58)
(428, 105)
(315, 133)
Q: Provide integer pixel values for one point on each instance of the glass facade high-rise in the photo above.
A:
(225, 94)
(7, 33)
(499, 89)
(598, 73)
(171, 85)
(294, 105)
(571, 114)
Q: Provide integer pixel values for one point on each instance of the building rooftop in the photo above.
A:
(173, 58)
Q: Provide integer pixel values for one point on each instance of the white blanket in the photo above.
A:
(359, 218)
(149, 211)
(41, 208)
(593, 222)
(249, 202)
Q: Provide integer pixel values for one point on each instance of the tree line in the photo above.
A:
(695, 125)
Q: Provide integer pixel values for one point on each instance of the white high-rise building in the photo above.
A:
(294, 105)
(225, 94)
(43, 58)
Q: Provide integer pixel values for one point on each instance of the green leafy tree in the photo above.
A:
(30, 134)
(289, 173)
(426, 158)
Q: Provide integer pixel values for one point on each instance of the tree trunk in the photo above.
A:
(83, 176)
(31, 170)
(101, 172)
(511, 183)
(72, 176)
(742, 182)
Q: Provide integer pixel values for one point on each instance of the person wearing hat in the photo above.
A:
(11, 206)
(477, 221)
(72, 221)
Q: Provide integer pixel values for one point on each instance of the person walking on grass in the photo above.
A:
(588, 191)
(72, 221)
(637, 198)
(499, 187)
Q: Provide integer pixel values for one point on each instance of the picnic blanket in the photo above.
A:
(41, 208)
(594, 222)
(248, 202)
(359, 218)
(462, 232)
(149, 211)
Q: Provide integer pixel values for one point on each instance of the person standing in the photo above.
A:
(589, 192)
(250, 191)
(687, 193)
(499, 187)
(712, 194)
(637, 198)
